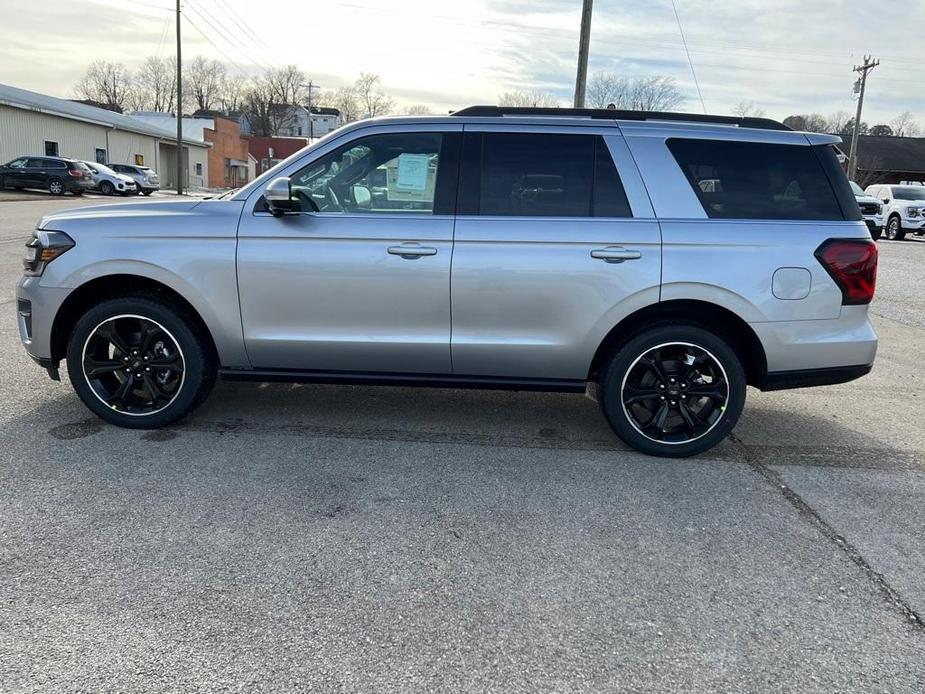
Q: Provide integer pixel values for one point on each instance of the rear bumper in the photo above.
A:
(808, 378)
(846, 342)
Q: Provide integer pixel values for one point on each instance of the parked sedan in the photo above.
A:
(108, 182)
(57, 175)
(144, 177)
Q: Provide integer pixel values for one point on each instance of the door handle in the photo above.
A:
(615, 254)
(411, 250)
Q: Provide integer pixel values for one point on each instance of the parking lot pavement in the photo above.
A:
(338, 538)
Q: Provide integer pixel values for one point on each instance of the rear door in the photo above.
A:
(555, 243)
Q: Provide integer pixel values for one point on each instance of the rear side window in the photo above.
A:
(541, 175)
(751, 180)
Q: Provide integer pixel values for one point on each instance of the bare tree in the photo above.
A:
(796, 122)
(205, 78)
(655, 93)
(345, 100)
(535, 99)
(817, 123)
(605, 88)
(232, 94)
(880, 130)
(105, 83)
(418, 110)
(372, 100)
(746, 109)
(155, 85)
(286, 84)
(904, 125)
(837, 122)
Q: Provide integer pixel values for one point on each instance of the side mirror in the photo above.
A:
(886, 201)
(278, 196)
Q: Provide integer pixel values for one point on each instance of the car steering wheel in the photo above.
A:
(334, 202)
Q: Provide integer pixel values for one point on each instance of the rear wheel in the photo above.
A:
(56, 186)
(894, 229)
(673, 391)
(139, 363)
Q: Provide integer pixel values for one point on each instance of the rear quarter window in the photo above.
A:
(752, 180)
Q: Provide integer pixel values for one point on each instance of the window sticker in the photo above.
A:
(412, 171)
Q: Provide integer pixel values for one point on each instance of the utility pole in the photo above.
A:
(863, 69)
(180, 166)
(311, 129)
(584, 43)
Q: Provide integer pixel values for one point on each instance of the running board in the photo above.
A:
(404, 379)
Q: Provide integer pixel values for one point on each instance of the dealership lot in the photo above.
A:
(361, 539)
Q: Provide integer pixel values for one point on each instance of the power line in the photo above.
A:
(213, 44)
(204, 16)
(689, 61)
(258, 42)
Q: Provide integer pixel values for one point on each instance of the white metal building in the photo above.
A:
(37, 124)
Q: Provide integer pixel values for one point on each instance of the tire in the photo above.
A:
(652, 368)
(175, 369)
(146, 193)
(77, 192)
(56, 186)
(894, 229)
(106, 188)
(876, 233)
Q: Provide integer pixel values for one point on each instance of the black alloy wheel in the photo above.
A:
(133, 365)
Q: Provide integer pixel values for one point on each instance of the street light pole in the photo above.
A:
(179, 109)
(584, 43)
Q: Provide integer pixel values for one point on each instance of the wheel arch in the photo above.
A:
(718, 320)
(114, 286)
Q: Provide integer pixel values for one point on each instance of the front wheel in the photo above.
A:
(894, 230)
(106, 188)
(139, 363)
(673, 391)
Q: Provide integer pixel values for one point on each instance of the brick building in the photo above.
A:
(228, 154)
(269, 151)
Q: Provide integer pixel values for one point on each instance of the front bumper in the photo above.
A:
(36, 308)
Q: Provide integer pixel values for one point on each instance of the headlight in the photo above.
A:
(43, 247)
(912, 211)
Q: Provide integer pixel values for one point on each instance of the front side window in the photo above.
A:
(548, 175)
(17, 163)
(375, 174)
(752, 180)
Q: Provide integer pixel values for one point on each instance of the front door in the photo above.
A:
(34, 175)
(359, 279)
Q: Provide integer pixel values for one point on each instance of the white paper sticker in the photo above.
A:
(412, 171)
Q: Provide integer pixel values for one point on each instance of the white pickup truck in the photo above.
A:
(903, 209)
(871, 210)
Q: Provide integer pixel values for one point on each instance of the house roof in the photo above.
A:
(889, 153)
(15, 97)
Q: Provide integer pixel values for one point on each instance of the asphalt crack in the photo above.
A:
(808, 513)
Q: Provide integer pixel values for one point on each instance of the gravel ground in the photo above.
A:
(335, 538)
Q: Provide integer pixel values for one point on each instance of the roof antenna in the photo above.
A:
(689, 61)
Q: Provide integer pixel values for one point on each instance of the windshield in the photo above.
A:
(102, 169)
(909, 192)
(856, 189)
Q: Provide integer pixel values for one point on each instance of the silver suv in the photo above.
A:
(669, 259)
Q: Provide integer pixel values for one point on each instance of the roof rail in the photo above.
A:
(612, 114)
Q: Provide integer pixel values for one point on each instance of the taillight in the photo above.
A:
(76, 173)
(852, 263)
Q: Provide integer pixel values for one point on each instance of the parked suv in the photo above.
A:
(145, 178)
(667, 259)
(57, 175)
(903, 209)
(871, 210)
(108, 182)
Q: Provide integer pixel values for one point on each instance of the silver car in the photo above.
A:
(108, 182)
(668, 260)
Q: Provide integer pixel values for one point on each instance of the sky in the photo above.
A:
(787, 56)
